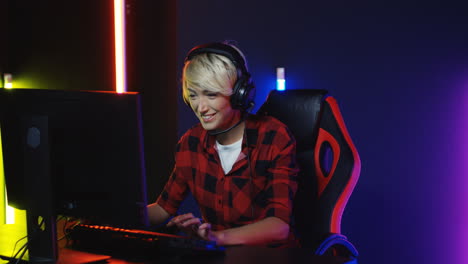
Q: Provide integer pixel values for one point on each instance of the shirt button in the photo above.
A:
(219, 201)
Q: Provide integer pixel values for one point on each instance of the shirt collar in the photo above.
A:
(250, 136)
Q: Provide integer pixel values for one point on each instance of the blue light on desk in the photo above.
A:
(280, 79)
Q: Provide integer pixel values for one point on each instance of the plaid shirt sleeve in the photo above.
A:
(176, 188)
(282, 184)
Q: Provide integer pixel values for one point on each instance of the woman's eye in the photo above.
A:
(191, 96)
(212, 94)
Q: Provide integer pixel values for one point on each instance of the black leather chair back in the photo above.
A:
(329, 163)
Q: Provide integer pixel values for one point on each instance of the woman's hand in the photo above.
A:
(188, 223)
(192, 226)
(205, 232)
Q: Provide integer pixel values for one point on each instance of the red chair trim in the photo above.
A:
(343, 199)
(324, 136)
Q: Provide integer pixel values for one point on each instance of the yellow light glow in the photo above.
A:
(119, 35)
(7, 80)
(3, 198)
(9, 211)
(10, 215)
(9, 233)
(25, 81)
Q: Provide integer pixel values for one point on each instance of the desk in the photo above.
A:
(232, 255)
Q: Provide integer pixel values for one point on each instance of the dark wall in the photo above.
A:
(399, 70)
(152, 67)
(4, 23)
(57, 45)
(65, 45)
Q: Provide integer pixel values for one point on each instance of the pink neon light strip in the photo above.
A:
(119, 34)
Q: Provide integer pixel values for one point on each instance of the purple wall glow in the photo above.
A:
(458, 211)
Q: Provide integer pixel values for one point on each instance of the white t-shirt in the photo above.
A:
(228, 154)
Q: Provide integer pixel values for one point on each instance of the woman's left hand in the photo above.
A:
(205, 232)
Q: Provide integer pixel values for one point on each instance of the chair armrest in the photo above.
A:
(339, 245)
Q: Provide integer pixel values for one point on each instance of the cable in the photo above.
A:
(65, 233)
(24, 248)
(244, 114)
(13, 252)
(22, 254)
(214, 133)
(64, 229)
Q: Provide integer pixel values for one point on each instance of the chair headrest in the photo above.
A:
(299, 110)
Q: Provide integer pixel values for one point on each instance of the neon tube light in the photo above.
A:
(9, 212)
(8, 80)
(119, 35)
(280, 79)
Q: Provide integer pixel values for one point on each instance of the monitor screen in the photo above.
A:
(79, 152)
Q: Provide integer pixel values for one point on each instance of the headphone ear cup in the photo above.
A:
(243, 94)
(235, 100)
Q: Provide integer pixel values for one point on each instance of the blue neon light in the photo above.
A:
(280, 84)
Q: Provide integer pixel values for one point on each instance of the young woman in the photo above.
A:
(240, 168)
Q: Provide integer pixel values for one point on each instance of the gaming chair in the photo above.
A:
(329, 166)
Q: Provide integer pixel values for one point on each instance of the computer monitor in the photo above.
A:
(74, 153)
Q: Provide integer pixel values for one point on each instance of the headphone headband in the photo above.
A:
(221, 49)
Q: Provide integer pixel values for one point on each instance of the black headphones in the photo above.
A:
(243, 92)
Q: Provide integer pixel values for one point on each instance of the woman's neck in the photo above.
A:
(232, 136)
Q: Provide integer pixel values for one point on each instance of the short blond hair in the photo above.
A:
(209, 71)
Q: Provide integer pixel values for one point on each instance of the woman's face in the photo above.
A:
(213, 109)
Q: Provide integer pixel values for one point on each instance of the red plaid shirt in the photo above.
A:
(257, 187)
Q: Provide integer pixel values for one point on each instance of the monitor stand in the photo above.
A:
(40, 214)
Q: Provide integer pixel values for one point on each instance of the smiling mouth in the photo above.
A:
(207, 118)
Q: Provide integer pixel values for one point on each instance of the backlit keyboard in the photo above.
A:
(136, 243)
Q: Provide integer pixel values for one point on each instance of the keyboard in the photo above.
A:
(134, 243)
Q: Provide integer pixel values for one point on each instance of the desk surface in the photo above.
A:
(232, 255)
